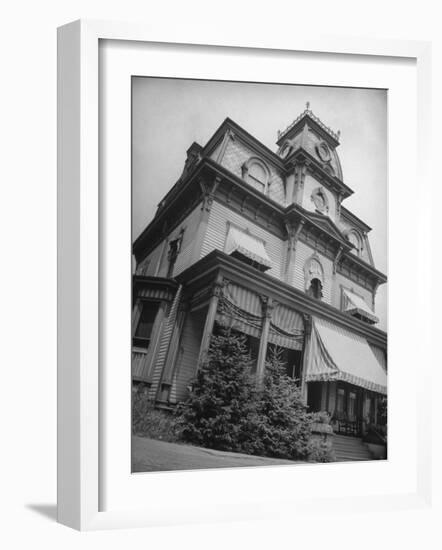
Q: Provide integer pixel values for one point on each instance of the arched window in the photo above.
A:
(256, 174)
(314, 277)
(356, 240)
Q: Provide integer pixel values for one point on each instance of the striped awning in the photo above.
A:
(338, 354)
(356, 304)
(240, 309)
(286, 328)
(248, 246)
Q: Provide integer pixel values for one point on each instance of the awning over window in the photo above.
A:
(356, 304)
(247, 245)
(337, 354)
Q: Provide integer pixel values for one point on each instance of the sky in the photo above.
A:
(170, 114)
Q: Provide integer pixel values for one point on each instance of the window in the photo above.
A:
(314, 277)
(352, 405)
(315, 289)
(144, 329)
(256, 174)
(257, 177)
(354, 238)
(340, 403)
(174, 250)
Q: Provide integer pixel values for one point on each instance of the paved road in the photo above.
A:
(150, 455)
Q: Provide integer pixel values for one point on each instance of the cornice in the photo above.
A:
(208, 268)
(314, 167)
(345, 213)
(362, 265)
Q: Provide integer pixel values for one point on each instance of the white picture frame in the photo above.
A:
(81, 472)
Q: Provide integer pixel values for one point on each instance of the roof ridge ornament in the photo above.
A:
(309, 112)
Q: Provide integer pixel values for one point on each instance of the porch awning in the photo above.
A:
(338, 354)
(248, 246)
(356, 304)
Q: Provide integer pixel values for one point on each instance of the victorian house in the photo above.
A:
(261, 240)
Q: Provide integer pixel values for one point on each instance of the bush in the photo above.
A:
(281, 426)
(222, 397)
(225, 411)
(320, 451)
(150, 422)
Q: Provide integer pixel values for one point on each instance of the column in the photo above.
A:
(306, 355)
(210, 320)
(267, 318)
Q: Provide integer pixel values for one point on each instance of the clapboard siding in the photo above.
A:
(149, 265)
(190, 224)
(302, 255)
(187, 360)
(216, 234)
(340, 280)
(237, 153)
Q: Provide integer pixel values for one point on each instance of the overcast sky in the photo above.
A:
(169, 114)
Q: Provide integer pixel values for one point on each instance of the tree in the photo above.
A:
(282, 423)
(222, 397)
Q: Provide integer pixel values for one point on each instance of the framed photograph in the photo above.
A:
(239, 321)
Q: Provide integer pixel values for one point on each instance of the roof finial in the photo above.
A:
(338, 133)
(307, 105)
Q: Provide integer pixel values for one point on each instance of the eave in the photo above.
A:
(364, 266)
(345, 213)
(297, 211)
(205, 271)
(301, 156)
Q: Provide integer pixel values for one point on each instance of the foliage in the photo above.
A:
(150, 422)
(222, 398)
(281, 424)
(321, 450)
(225, 411)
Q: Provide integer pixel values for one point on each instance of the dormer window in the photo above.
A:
(356, 240)
(314, 277)
(256, 174)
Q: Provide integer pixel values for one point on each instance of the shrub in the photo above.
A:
(225, 411)
(150, 422)
(320, 451)
(222, 397)
(281, 424)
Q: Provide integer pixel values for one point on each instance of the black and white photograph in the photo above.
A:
(259, 274)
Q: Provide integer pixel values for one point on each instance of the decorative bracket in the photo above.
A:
(337, 258)
(208, 192)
